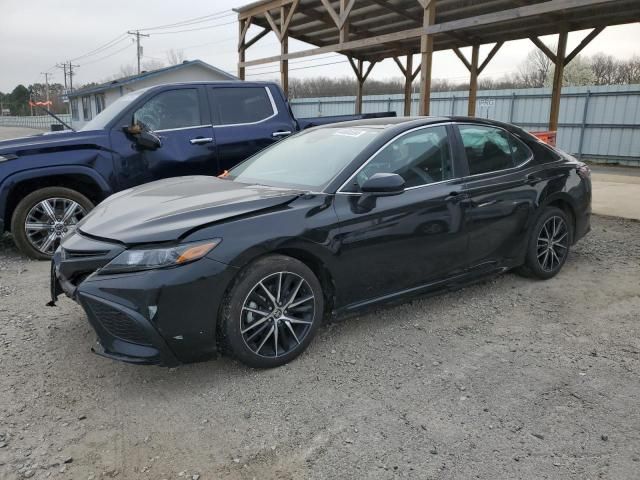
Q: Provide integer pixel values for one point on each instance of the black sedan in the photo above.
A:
(327, 222)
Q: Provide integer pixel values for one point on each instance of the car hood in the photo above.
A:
(53, 141)
(167, 210)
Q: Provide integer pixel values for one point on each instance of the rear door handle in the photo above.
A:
(200, 140)
(281, 134)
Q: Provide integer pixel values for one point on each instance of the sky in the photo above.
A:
(38, 34)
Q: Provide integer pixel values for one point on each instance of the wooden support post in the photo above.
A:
(408, 81)
(426, 55)
(359, 87)
(243, 25)
(284, 49)
(557, 81)
(473, 80)
(344, 30)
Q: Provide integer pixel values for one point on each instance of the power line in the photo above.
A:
(108, 56)
(119, 39)
(195, 29)
(192, 21)
(299, 68)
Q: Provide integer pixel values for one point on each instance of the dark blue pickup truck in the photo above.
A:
(49, 182)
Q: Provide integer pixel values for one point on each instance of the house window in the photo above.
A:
(99, 103)
(86, 108)
(74, 110)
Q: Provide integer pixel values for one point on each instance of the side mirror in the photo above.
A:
(148, 140)
(383, 184)
(379, 185)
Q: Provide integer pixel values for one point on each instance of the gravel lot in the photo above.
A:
(511, 378)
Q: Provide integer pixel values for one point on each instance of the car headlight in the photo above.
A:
(136, 260)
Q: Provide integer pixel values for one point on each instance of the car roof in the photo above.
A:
(412, 122)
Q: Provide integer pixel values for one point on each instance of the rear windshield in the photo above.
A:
(309, 160)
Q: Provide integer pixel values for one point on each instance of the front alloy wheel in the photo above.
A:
(272, 311)
(43, 218)
(49, 221)
(277, 314)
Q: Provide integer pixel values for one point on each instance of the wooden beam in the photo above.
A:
(426, 55)
(241, 49)
(332, 13)
(272, 24)
(287, 21)
(260, 35)
(284, 66)
(252, 10)
(462, 58)
(585, 41)
(359, 88)
(538, 43)
(492, 54)
(344, 30)
(473, 80)
(244, 28)
(444, 27)
(400, 66)
(557, 81)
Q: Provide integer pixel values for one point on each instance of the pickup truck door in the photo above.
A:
(247, 119)
(181, 119)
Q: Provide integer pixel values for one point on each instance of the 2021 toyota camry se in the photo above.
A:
(329, 221)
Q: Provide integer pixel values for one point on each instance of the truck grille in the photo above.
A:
(118, 324)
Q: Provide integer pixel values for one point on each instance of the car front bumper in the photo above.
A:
(161, 317)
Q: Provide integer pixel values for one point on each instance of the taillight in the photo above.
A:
(584, 171)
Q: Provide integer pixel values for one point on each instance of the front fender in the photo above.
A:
(10, 182)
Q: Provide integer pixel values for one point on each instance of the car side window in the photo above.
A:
(238, 105)
(171, 109)
(488, 149)
(521, 153)
(420, 157)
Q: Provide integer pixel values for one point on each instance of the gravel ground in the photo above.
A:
(510, 378)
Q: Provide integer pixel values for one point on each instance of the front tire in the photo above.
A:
(548, 246)
(44, 217)
(272, 312)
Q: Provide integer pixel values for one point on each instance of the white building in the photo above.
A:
(86, 103)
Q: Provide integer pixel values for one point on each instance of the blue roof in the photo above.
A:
(144, 75)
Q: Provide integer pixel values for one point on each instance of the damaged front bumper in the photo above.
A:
(161, 317)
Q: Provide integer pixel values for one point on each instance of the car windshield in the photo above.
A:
(309, 160)
(112, 111)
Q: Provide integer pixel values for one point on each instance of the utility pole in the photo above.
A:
(46, 82)
(71, 74)
(137, 34)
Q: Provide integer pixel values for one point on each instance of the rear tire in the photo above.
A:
(46, 211)
(272, 312)
(548, 246)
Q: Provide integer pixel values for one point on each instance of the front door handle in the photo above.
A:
(281, 134)
(200, 140)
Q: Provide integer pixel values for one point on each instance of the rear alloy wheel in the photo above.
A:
(273, 311)
(43, 218)
(549, 244)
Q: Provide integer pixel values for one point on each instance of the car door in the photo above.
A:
(501, 194)
(180, 119)
(408, 240)
(246, 120)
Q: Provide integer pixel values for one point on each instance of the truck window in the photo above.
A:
(235, 106)
(171, 109)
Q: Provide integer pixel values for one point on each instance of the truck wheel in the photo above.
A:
(44, 217)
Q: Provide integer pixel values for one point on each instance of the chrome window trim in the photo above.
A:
(181, 128)
(375, 154)
(506, 171)
(274, 107)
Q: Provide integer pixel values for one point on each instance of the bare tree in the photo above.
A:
(151, 64)
(534, 70)
(126, 70)
(628, 71)
(604, 68)
(175, 57)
